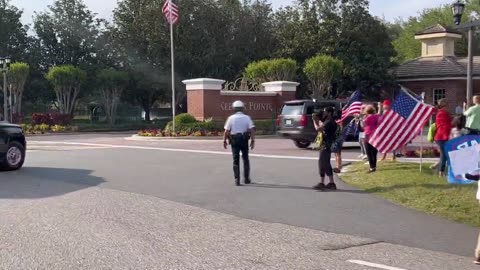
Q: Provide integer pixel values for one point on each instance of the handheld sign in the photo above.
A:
(463, 154)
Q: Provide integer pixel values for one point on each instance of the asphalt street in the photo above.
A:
(99, 201)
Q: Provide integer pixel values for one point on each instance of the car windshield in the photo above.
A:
(292, 109)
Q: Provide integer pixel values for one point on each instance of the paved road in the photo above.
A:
(133, 189)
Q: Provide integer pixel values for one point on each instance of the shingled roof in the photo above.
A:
(438, 28)
(436, 67)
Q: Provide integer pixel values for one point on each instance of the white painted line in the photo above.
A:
(177, 150)
(375, 265)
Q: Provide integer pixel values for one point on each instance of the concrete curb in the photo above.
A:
(137, 137)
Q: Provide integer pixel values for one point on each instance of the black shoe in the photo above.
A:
(248, 181)
(331, 186)
(472, 177)
(372, 170)
(320, 186)
(237, 182)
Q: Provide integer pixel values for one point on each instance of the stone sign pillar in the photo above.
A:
(207, 99)
(202, 93)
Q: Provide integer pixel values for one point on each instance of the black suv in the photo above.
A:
(295, 121)
(12, 146)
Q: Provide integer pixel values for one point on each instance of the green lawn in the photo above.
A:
(402, 183)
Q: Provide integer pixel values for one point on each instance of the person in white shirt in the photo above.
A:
(239, 130)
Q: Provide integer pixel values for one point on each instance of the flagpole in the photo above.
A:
(421, 139)
(173, 67)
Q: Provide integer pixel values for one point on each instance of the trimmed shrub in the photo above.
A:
(264, 127)
(279, 69)
(185, 118)
(189, 128)
(51, 119)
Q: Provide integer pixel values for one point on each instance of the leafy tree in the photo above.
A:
(67, 81)
(272, 70)
(408, 48)
(14, 41)
(67, 34)
(321, 70)
(112, 83)
(17, 78)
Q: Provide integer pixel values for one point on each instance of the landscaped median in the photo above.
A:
(404, 184)
(187, 126)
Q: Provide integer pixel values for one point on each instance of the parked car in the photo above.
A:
(295, 120)
(12, 146)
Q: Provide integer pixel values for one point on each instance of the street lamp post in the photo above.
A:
(458, 8)
(4, 63)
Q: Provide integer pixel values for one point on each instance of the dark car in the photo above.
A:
(12, 146)
(295, 120)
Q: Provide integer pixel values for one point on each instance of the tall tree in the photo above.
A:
(67, 33)
(14, 41)
(112, 83)
(321, 70)
(67, 81)
(17, 78)
(408, 48)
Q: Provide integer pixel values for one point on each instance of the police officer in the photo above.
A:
(239, 130)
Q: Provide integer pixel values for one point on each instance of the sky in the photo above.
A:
(388, 9)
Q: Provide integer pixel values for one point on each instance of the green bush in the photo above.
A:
(184, 118)
(272, 70)
(265, 127)
(192, 127)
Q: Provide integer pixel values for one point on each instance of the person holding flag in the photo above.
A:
(402, 123)
(352, 108)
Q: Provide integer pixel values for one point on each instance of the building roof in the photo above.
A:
(438, 28)
(436, 67)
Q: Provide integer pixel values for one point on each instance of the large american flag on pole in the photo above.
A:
(354, 106)
(401, 124)
(170, 9)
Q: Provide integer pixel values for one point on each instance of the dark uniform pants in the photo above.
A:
(240, 144)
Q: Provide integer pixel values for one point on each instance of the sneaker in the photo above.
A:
(364, 158)
(332, 186)
(320, 186)
(477, 261)
(337, 170)
(248, 181)
(361, 156)
(237, 182)
(367, 163)
(372, 170)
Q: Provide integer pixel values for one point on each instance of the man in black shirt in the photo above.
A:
(328, 127)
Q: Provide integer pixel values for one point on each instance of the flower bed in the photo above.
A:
(166, 133)
(427, 153)
(44, 128)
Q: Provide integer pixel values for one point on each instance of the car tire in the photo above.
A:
(15, 157)
(302, 144)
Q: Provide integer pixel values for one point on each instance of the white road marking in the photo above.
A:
(375, 265)
(177, 150)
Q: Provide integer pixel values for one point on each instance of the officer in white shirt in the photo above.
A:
(239, 130)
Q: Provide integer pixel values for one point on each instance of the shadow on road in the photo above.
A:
(32, 182)
(273, 186)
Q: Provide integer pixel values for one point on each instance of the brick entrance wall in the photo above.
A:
(455, 90)
(206, 99)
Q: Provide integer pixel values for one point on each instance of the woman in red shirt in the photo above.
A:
(443, 122)
(370, 124)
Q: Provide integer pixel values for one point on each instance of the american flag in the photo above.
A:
(401, 124)
(354, 106)
(170, 10)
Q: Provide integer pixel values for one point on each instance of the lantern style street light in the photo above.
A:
(4, 65)
(458, 9)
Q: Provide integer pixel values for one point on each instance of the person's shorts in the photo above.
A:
(337, 147)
